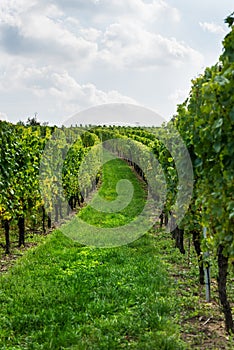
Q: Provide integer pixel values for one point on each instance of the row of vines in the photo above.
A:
(206, 123)
(35, 158)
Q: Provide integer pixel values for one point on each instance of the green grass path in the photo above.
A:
(61, 295)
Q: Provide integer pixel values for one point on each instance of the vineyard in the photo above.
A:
(66, 292)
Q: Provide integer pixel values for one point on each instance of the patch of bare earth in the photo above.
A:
(206, 329)
(7, 260)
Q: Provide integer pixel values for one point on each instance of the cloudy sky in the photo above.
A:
(60, 57)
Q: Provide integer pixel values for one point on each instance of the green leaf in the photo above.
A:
(232, 114)
(218, 123)
(230, 19)
(198, 162)
(217, 147)
(222, 81)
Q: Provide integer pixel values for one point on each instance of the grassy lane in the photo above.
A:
(61, 295)
(113, 172)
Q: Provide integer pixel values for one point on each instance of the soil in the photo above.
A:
(206, 330)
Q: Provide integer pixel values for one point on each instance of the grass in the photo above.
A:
(113, 172)
(117, 214)
(62, 295)
(202, 323)
(144, 295)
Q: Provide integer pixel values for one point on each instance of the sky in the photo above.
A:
(61, 57)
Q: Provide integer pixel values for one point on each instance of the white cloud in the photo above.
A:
(18, 76)
(42, 35)
(141, 10)
(212, 27)
(103, 10)
(53, 12)
(128, 45)
(68, 90)
(64, 55)
(64, 91)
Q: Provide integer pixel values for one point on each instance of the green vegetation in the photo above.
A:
(114, 171)
(206, 123)
(63, 296)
